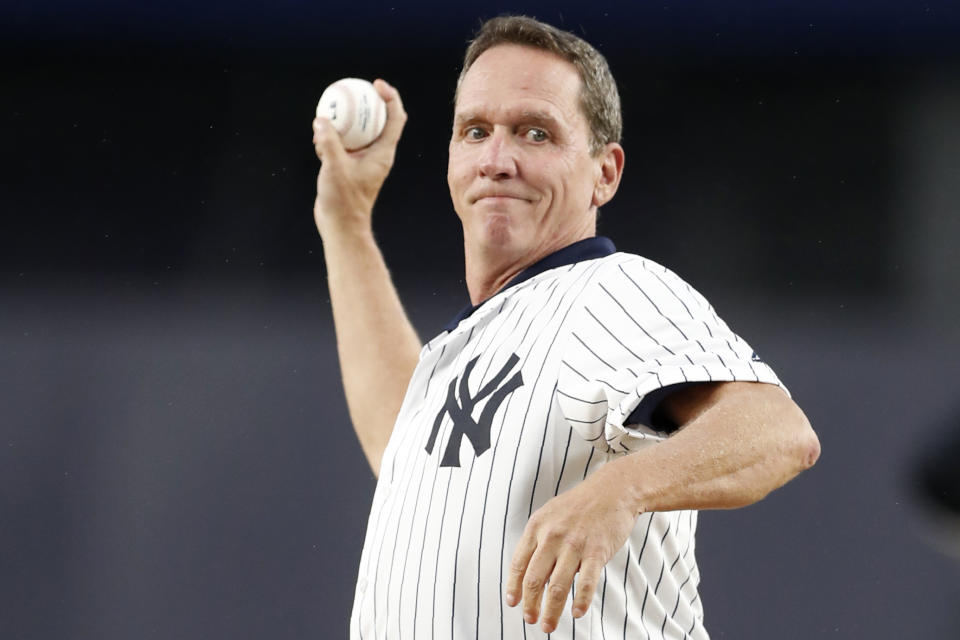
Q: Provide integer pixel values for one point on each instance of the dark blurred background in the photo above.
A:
(175, 455)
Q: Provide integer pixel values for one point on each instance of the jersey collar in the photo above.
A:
(588, 249)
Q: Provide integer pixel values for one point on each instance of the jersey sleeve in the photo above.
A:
(640, 334)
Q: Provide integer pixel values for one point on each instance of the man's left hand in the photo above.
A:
(576, 532)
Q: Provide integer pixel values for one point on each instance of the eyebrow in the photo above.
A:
(535, 116)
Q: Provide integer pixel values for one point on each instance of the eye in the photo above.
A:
(475, 133)
(536, 135)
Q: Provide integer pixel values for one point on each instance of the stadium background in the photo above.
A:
(175, 455)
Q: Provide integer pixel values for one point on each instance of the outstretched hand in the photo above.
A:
(576, 532)
(349, 181)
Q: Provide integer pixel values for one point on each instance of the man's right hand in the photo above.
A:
(377, 345)
(349, 181)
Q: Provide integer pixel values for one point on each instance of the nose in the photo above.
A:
(498, 159)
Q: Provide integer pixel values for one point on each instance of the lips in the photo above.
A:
(497, 196)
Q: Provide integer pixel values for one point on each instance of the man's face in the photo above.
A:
(521, 176)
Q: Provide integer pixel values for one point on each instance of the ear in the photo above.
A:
(611, 169)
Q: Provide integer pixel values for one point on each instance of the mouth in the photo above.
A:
(498, 198)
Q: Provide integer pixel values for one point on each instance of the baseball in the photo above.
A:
(356, 111)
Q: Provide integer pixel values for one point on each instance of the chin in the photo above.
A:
(497, 231)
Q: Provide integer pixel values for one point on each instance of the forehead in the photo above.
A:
(512, 77)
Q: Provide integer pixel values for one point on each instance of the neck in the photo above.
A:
(486, 277)
(489, 270)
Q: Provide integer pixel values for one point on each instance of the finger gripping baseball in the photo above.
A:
(355, 110)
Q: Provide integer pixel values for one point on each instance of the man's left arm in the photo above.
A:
(737, 442)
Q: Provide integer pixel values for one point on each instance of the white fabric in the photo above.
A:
(590, 340)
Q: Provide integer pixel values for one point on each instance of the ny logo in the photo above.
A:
(461, 413)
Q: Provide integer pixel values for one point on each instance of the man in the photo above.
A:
(548, 451)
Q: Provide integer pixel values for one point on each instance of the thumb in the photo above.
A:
(327, 143)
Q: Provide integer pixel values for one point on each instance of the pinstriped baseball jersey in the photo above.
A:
(522, 398)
